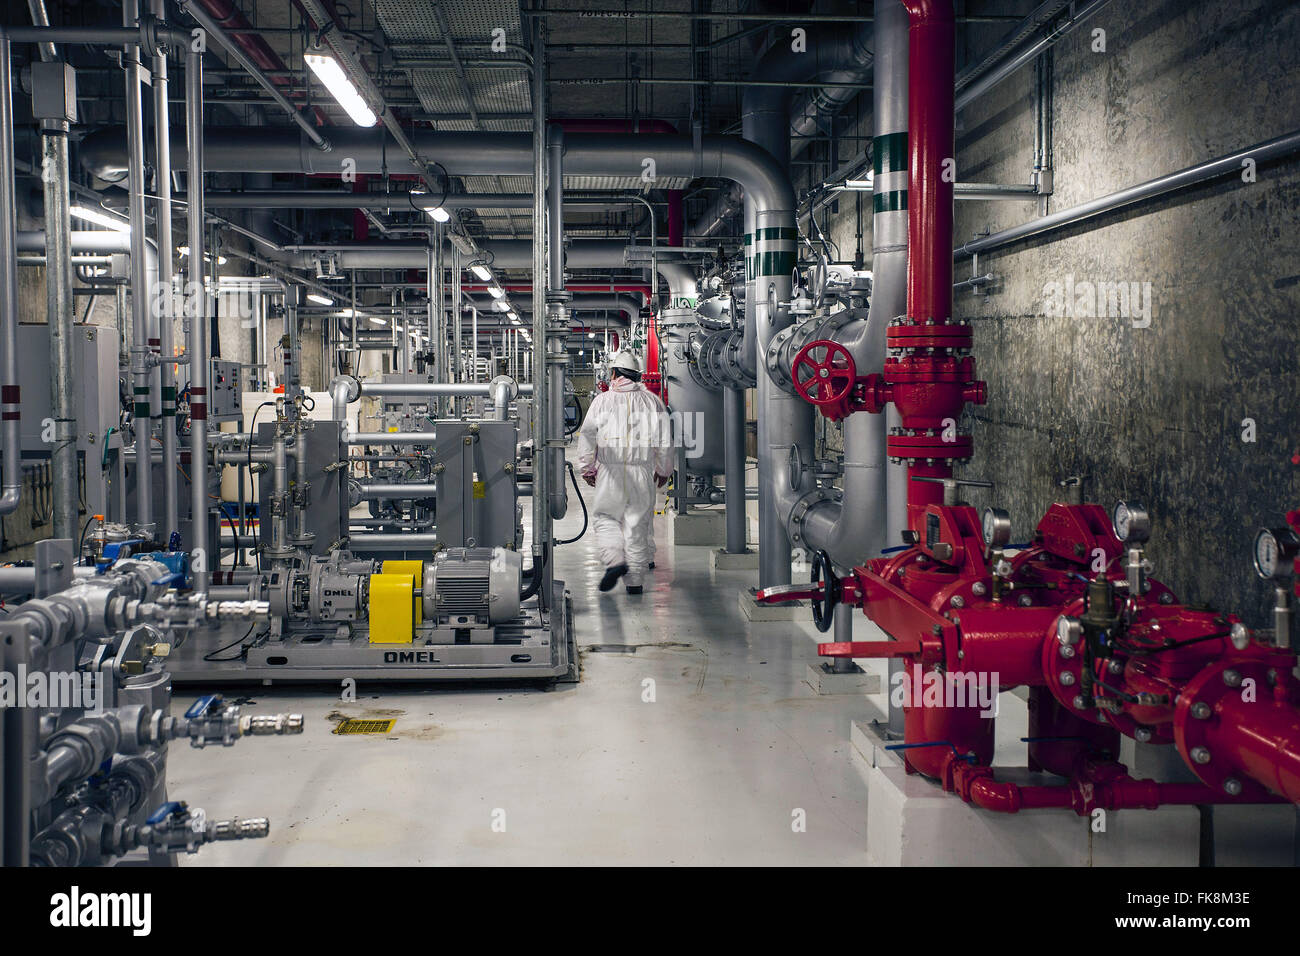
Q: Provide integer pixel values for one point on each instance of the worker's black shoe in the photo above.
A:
(634, 589)
(611, 576)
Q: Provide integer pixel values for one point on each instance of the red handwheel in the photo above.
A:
(824, 374)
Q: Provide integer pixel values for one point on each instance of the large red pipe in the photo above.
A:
(930, 112)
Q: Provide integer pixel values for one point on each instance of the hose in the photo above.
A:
(573, 478)
(534, 576)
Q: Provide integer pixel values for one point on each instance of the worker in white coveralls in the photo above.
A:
(625, 451)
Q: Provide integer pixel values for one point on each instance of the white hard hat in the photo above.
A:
(628, 360)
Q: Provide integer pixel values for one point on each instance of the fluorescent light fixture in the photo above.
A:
(501, 305)
(319, 299)
(859, 185)
(496, 291)
(513, 316)
(579, 353)
(483, 272)
(207, 256)
(99, 218)
(591, 335)
(378, 321)
(329, 72)
(438, 214)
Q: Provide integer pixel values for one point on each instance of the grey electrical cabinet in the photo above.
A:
(96, 394)
(477, 490)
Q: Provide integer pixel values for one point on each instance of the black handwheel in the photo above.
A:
(824, 609)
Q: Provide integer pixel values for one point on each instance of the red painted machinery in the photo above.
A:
(1104, 649)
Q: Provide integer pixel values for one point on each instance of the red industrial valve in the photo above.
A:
(824, 374)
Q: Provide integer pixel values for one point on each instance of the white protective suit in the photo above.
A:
(626, 439)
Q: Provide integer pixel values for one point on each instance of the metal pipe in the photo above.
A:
(61, 315)
(541, 421)
(140, 293)
(1269, 149)
(232, 47)
(10, 399)
(198, 338)
(368, 541)
(166, 321)
(1025, 55)
(398, 490)
(42, 19)
(431, 389)
(391, 438)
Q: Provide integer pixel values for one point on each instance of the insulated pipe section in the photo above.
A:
(360, 541)
(60, 312)
(166, 325)
(10, 401)
(140, 296)
(198, 343)
(873, 511)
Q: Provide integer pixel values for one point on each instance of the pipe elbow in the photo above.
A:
(10, 498)
(930, 11)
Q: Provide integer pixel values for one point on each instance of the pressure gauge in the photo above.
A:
(1131, 522)
(997, 528)
(1275, 552)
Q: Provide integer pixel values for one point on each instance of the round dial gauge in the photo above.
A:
(997, 527)
(1275, 552)
(1131, 522)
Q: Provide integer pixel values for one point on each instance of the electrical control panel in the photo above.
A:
(225, 392)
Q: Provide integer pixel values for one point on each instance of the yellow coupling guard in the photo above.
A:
(392, 608)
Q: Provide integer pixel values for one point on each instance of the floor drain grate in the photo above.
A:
(355, 726)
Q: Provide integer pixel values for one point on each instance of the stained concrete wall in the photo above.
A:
(1150, 413)
(1156, 412)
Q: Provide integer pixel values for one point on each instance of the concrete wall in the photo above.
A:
(1147, 412)
(1154, 412)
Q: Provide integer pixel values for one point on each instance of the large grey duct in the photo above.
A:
(785, 421)
(812, 106)
(874, 505)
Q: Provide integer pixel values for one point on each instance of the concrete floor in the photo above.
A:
(714, 771)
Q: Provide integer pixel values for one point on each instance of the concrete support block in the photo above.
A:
(722, 560)
(823, 680)
(911, 821)
(697, 527)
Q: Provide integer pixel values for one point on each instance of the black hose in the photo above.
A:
(573, 478)
(534, 576)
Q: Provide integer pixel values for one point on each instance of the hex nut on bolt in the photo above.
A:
(1201, 710)
(1232, 678)
(1232, 787)
(1201, 754)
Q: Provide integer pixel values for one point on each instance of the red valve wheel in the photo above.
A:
(824, 374)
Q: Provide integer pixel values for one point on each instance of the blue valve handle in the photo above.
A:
(166, 810)
(201, 706)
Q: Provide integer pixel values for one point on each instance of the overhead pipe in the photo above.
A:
(1025, 55)
(239, 48)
